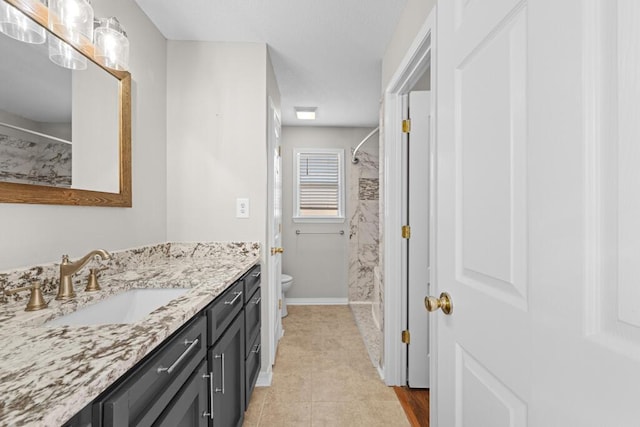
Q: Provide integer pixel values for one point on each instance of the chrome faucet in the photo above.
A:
(68, 269)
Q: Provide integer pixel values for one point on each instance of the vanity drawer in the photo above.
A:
(142, 396)
(252, 367)
(251, 282)
(252, 320)
(221, 312)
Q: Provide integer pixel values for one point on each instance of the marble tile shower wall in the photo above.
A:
(121, 261)
(364, 233)
(29, 161)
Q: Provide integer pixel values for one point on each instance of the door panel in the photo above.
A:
(538, 213)
(418, 251)
(483, 348)
(490, 126)
(622, 174)
(589, 337)
(484, 400)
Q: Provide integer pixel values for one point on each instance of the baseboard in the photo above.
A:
(360, 303)
(380, 372)
(317, 301)
(264, 379)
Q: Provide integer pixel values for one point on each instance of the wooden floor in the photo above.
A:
(415, 402)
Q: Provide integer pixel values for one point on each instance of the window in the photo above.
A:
(319, 185)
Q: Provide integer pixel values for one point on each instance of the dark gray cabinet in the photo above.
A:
(202, 375)
(252, 315)
(226, 362)
(190, 406)
(143, 394)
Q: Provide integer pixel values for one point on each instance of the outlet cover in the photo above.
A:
(242, 208)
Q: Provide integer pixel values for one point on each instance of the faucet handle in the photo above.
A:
(65, 259)
(92, 280)
(36, 300)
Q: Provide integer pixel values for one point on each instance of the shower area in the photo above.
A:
(365, 291)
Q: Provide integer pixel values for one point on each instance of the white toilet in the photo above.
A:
(286, 281)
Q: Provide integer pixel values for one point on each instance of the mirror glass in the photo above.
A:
(65, 136)
(58, 127)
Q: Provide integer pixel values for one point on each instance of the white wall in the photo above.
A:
(216, 140)
(318, 263)
(59, 130)
(217, 99)
(412, 19)
(32, 234)
(95, 130)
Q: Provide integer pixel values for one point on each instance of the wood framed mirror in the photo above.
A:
(100, 93)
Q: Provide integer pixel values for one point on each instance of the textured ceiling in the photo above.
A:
(325, 53)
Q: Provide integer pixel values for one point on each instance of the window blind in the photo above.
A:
(319, 190)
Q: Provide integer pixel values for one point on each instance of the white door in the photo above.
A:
(538, 213)
(484, 348)
(418, 250)
(275, 226)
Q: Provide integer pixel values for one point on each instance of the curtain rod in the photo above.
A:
(44, 135)
(354, 159)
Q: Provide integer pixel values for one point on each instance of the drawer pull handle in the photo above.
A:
(192, 345)
(209, 414)
(257, 301)
(256, 275)
(257, 349)
(233, 301)
(220, 356)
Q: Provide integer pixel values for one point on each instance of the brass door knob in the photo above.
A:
(444, 302)
(276, 251)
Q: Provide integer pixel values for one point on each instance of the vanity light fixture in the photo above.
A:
(112, 44)
(74, 20)
(62, 54)
(306, 113)
(17, 25)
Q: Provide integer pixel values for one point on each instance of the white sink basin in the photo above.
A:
(127, 307)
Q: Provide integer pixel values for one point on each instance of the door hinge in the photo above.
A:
(280, 304)
(406, 232)
(406, 337)
(280, 228)
(406, 126)
(279, 150)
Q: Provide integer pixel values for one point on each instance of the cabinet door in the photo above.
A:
(226, 361)
(252, 320)
(145, 391)
(252, 369)
(222, 311)
(189, 408)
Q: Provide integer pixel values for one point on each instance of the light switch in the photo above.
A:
(242, 208)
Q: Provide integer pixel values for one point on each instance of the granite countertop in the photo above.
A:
(48, 374)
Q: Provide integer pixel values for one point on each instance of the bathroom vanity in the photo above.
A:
(192, 362)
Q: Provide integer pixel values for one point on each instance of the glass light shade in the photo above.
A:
(65, 56)
(18, 26)
(111, 44)
(72, 18)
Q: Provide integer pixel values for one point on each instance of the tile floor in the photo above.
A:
(323, 376)
(371, 335)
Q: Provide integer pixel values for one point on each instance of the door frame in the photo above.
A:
(420, 56)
